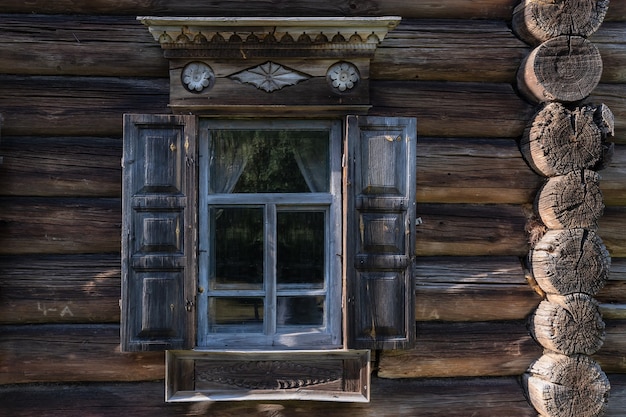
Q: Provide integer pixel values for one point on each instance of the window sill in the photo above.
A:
(334, 375)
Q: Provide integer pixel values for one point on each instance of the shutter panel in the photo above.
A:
(380, 241)
(158, 232)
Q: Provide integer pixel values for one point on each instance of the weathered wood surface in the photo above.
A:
(484, 397)
(73, 353)
(614, 96)
(64, 225)
(451, 349)
(472, 289)
(449, 170)
(559, 140)
(71, 106)
(416, 49)
(565, 68)
(86, 289)
(48, 353)
(61, 166)
(456, 170)
(571, 200)
(612, 178)
(569, 324)
(537, 21)
(567, 386)
(456, 9)
(31, 105)
(92, 225)
(570, 261)
(610, 39)
(60, 289)
(471, 230)
(612, 230)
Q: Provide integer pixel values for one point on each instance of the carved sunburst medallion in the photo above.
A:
(197, 76)
(270, 76)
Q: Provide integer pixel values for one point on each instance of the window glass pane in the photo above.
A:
(300, 311)
(301, 248)
(269, 161)
(237, 313)
(238, 244)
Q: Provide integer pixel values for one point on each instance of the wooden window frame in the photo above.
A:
(329, 335)
(160, 250)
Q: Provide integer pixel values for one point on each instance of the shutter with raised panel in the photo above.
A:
(380, 241)
(158, 232)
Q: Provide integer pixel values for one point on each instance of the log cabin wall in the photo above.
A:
(69, 70)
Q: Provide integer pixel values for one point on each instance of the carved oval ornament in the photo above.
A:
(343, 76)
(197, 76)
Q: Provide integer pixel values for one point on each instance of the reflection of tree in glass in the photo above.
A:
(271, 164)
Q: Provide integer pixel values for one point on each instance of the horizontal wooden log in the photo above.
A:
(70, 353)
(478, 397)
(611, 230)
(424, 50)
(442, 108)
(44, 106)
(86, 289)
(67, 225)
(486, 349)
(472, 289)
(65, 105)
(614, 96)
(449, 170)
(468, 349)
(610, 41)
(471, 230)
(612, 356)
(74, 106)
(49, 353)
(60, 166)
(428, 9)
(455, 9)
(461, 170)
(88, 225)
(612, 178)
(60, 289)
(416, 49)
(87, 45)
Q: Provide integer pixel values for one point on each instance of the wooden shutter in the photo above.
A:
(158, 232)
(380, 231)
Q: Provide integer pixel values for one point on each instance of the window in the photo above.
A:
(269, 234)
(236, 234)
(243, 238)
(260, 253)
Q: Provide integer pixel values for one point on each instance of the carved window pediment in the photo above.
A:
(273, 66)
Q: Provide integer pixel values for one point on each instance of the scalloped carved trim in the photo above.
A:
(206, 32)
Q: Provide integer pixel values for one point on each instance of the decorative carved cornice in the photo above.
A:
(246, 37)
(269, 66)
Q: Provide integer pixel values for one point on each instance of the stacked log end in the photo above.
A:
(566, 143)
